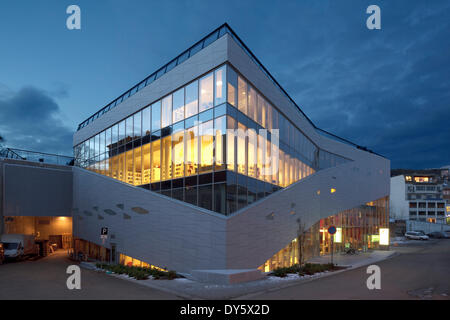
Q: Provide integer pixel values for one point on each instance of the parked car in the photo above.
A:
(438, 235)
(18, 245)
(2, 253)
(416, 235)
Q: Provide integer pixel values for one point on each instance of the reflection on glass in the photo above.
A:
(166, 111)
(206, 93)
(129, 129)
(252, 150)
(242, 95)
(178, 154)
(166, 158)
(232, 86)
(220, 86)
(178, 105)
(146, 164)
(220, 142)
(129, 167)
(121, 132)
(241, 150)
(137, 172)
(191, 107)
(191, 151)
(206, 146)
(121, 166)
(156, 116)
(156, 161)
(137, 125)
(252, 104)
(231, 138)
(146, 121)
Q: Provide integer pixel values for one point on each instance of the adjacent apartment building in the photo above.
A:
(419, 195)
(208, 164)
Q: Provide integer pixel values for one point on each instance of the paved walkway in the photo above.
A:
(196, 290)
(46, 279)
(354, 260)
(418, 271)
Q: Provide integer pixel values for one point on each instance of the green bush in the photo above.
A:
(139, 273)
(280, 272)
(171, 274)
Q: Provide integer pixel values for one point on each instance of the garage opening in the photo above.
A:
(56, 231)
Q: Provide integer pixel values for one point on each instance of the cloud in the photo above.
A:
(387, 90)
(30, 121)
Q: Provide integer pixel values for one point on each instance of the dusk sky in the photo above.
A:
(388, 89)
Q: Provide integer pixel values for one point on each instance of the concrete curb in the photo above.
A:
(302, 281)
(246, 296)
(148, 284)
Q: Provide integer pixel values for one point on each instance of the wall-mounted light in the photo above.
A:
(333, 190)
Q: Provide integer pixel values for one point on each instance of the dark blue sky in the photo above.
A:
(386, 89)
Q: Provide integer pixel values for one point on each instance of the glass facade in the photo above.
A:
(358, 228)
(216, 142)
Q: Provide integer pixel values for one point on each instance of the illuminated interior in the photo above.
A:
(421, 179)
(361, 228)
(55, 229)
(132, 262)
(209, 126)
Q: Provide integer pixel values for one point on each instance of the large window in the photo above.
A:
(231, 138)
(137, 166)
(220, 127)
(178, 154)
(122, 132)
(206, 146)
(191, 151)
(146, 164)
(191, 107)
(164, 141)
(166, 111)
(156, 161)
(178, 105)
(156, 116)
(252, 151)
(232, 87)
(252, 104)
(242, 95)
(220, 86)
(241, 149)
(146, 121)
(129, 129)
(166, 167)
(206, 93)
(137, 123)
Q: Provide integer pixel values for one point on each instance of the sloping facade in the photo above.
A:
(230, 202)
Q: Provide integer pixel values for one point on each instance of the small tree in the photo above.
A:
(301, 235)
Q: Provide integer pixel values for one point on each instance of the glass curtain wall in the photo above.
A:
(179, 144)
(358, 229)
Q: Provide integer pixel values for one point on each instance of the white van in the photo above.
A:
(18, 245)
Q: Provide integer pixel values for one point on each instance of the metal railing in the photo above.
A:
(34, 156)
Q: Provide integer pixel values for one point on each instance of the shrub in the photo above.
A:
(280, 272)
(171, 274)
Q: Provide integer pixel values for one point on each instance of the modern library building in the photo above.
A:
(208, 165)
